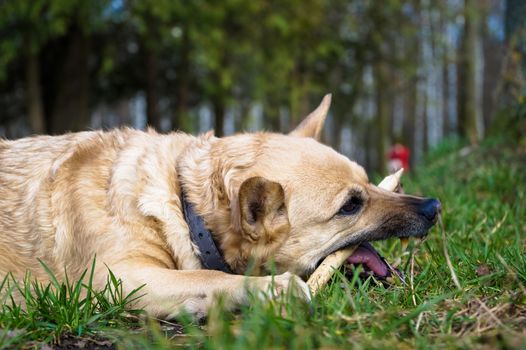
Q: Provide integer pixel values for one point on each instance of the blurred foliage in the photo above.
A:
(380, 59)
(273, 49)
(27, 25)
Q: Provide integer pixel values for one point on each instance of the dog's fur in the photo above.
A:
(268, 199)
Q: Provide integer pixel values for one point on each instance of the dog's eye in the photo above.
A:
(351, 206)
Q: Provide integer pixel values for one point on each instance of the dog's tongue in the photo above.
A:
(366, 255)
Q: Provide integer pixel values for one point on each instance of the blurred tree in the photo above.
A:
(386, 64)
(512, 87)
(183, 32)
(515, 32)
(153, 21)
(382, 116)
(385, 21)
(69, 100)
(515, 26)
(467, 109)
(411, 73)
(34, 26)
(26, 26)
(225, 48)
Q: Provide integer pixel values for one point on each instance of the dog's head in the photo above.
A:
(292, 200)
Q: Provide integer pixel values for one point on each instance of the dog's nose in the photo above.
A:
(430, 209)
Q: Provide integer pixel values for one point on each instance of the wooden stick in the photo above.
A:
(332, 262)
(391, 182)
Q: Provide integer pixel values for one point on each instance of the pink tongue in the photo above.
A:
(365, 254)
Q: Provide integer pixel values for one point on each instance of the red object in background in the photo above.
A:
(400, 154)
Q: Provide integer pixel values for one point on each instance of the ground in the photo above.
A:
(477, 300)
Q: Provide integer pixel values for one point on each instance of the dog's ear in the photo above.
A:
(262, 210)
(312, 125)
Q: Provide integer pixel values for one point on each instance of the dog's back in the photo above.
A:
(65, 199)
(29, 170)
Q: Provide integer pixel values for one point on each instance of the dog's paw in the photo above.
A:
(283, 285)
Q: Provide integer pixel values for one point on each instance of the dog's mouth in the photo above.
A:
(373, 263)
(414, 224)
(370, 260)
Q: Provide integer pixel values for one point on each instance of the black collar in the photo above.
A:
(209, 254)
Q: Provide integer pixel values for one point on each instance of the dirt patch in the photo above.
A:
(69, 341)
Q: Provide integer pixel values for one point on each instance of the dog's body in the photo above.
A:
(267, 198)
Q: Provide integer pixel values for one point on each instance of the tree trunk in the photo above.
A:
(294, 96)
(425, 125)
(444, 57)
(336, 137)
(219, 116)
(409, 131)
(34, 94)
(244, 110)
(271, 112)
(410, 122)
(446, 125)
(369, 146)
(391, 99)
(299, 101)
(183, 90)
(514, 20)
(382, 116)
(153, 114)
(467, 111)
(70, 110)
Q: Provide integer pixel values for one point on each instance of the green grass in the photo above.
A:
(61, 308)
(483, 192)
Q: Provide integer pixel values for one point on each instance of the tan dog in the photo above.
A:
(268, 198)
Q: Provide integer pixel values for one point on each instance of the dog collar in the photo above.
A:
(210, 256)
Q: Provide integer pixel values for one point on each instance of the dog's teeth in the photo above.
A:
(404, 241)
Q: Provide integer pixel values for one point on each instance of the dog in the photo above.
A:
(186, 217)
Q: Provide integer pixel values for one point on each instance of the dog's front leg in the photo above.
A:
(170, 292)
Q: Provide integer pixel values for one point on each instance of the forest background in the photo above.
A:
(407, 71)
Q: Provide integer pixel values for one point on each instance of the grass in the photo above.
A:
(483, 192)
(60, 308)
